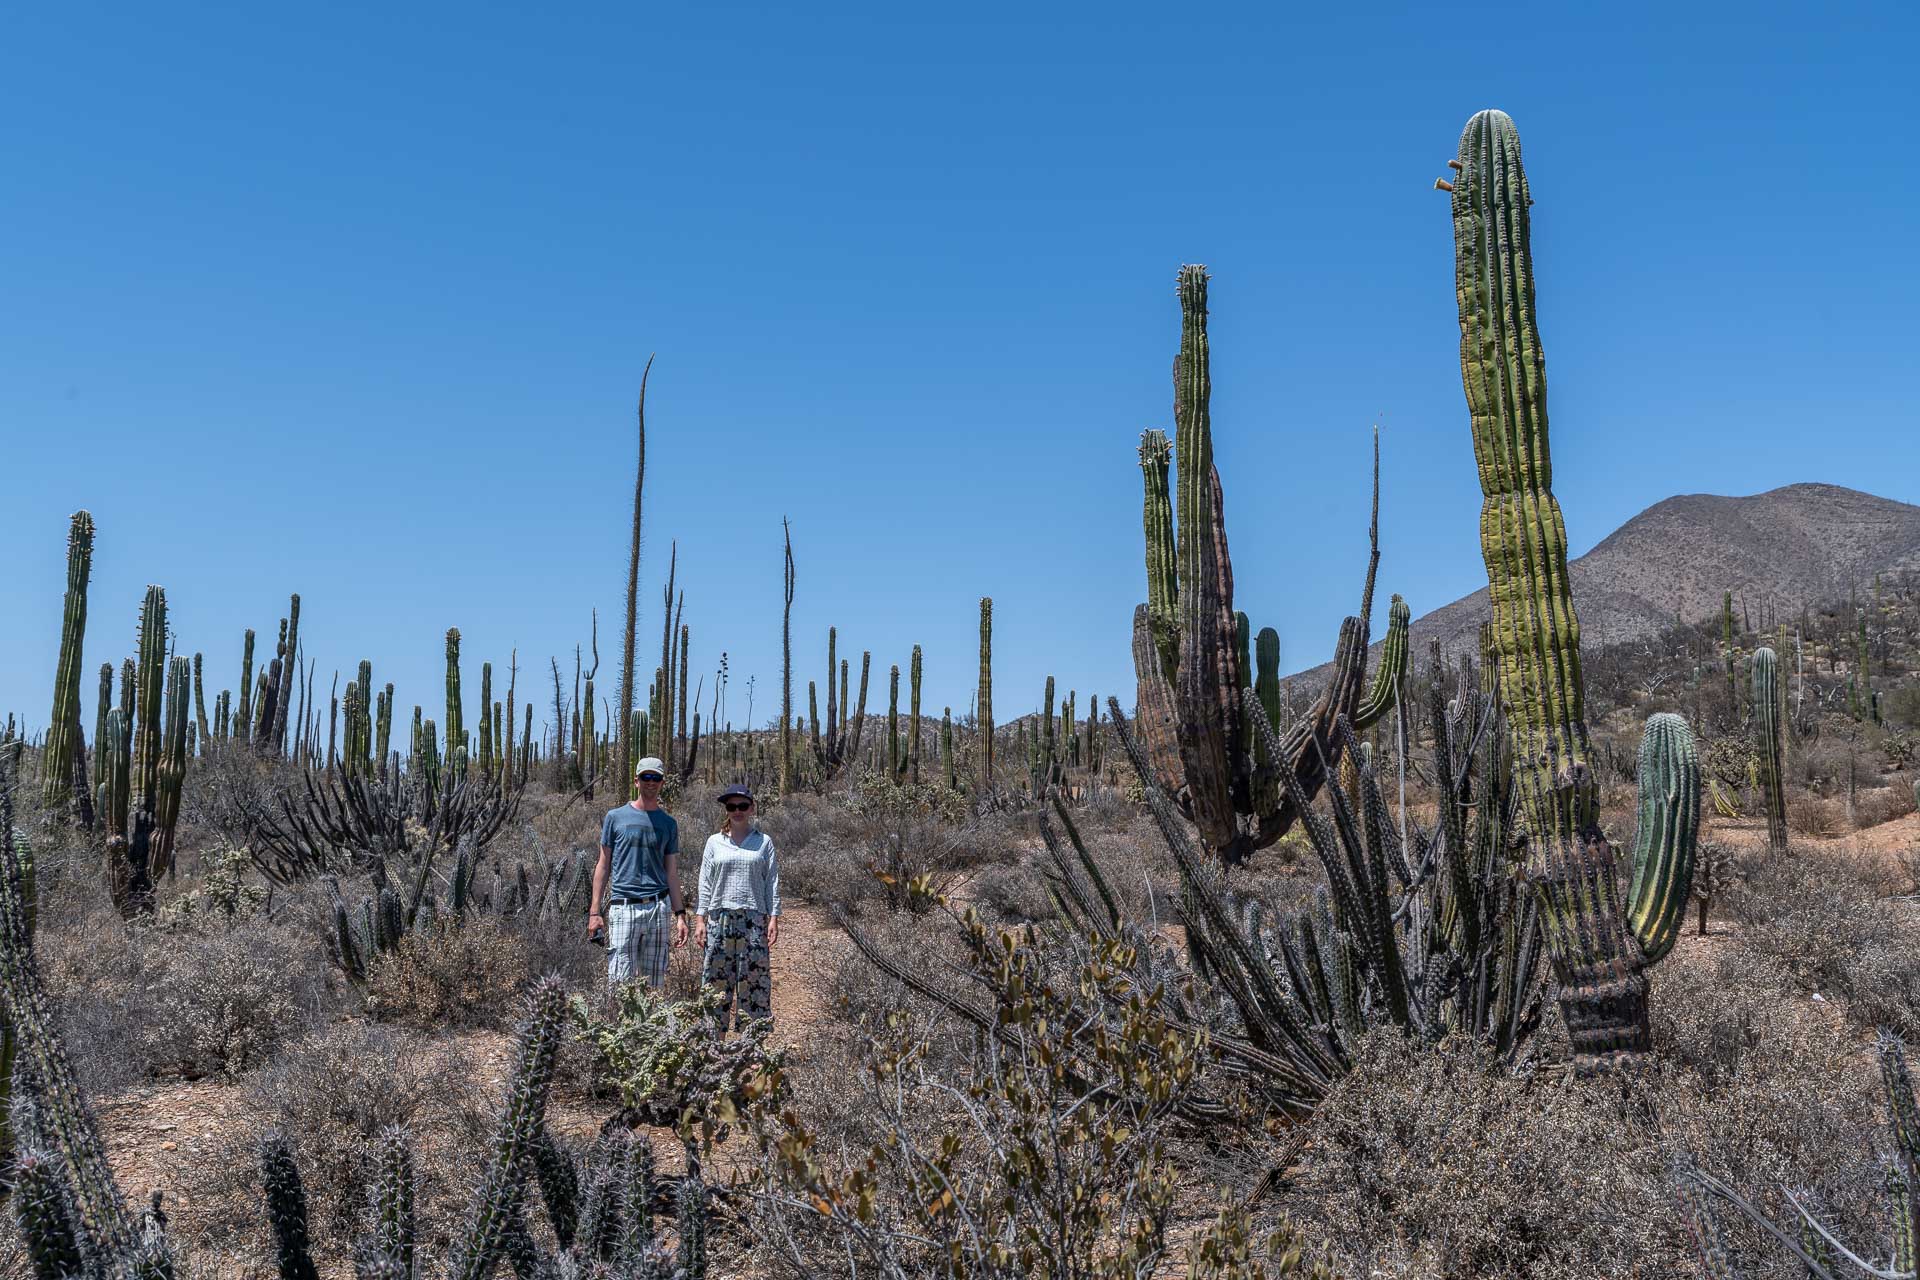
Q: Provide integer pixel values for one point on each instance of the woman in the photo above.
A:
(738, 913)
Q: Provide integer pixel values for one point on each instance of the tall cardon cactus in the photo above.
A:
(1600, 955)
(63, 725)
(1767, 734)
(1190, 647)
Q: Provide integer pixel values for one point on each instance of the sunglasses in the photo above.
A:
(651, 777)
(742, 806)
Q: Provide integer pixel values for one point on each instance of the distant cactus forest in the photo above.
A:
(1531, 957)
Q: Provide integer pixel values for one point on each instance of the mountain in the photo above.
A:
(1805, 544)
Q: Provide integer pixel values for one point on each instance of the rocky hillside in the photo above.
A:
(1776, 551)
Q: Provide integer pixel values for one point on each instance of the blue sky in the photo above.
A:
(353, 301)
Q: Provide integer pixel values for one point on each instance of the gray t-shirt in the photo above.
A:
(642, 840)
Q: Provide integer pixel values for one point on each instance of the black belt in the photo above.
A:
(635, 902)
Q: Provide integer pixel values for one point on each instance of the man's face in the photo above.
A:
(650, 784)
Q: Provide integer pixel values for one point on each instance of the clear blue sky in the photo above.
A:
(353, 301)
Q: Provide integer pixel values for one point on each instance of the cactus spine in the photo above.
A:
(1767, 743)
(1601, 966)
(63, 725)
(984, 714)
(101, 707)
(946, 747)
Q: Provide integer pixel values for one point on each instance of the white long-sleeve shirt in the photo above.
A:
(739, 877)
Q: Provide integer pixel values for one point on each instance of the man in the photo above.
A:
(640, 863)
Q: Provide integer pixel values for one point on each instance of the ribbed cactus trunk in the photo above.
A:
(290, 677)
(893, 722)
(455, 723)
(103, 704)
(1207, 678)
(243, 713)
(946, 747)
(486, 720)
(983, 716)
(834, 709)
(860, 711)
(1767, 730)
(1535, 637)
(150, 691)
(63, 724)
(200, 706)
(172, 772)
(913, 719)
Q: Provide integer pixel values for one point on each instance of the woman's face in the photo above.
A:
(739, 810)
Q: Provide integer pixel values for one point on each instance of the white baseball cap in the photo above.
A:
(650, 764)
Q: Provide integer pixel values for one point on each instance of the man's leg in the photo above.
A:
(623, 944)
(655, 927)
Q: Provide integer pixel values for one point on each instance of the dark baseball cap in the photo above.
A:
(737, 789)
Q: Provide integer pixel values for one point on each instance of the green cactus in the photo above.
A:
(486, 718)
(1391, 674)
(1043, 738)
(103, 705)
(894, 762)
(200, 707)
(171, 775)
(913, 718)
(983, 713)
(692, 1215)
(63, 724)
(946, 747)
(1601, 966)
(455, 731)
(1189, 650)
(521, 1119)
(149, 692)
(244, 712)
(835, 709)
(1668, 775)
(62, 1126)
(1767, 732)
(286, 1209)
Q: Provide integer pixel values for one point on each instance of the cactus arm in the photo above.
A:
(1392, 671)
(63, 1120)
(1668, 835)
(394, 1230)
(286, 1209)
(497, 1201)
(984, 696)
(1163, 576)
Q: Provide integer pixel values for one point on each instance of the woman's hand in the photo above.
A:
(773, 930)
(700, 932)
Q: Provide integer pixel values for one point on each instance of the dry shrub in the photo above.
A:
(1824, 917)
(1013, 895)
(223, 1002)
(1431, 1161)
(333, 1093)
(1765, 1087)
(134, 1001)
(472, 975)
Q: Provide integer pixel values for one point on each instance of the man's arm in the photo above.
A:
(602, 872)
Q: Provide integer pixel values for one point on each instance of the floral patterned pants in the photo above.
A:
(738, 963)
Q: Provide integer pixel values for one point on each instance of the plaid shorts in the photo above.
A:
(638, 940)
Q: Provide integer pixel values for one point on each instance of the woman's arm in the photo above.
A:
(708, 870)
